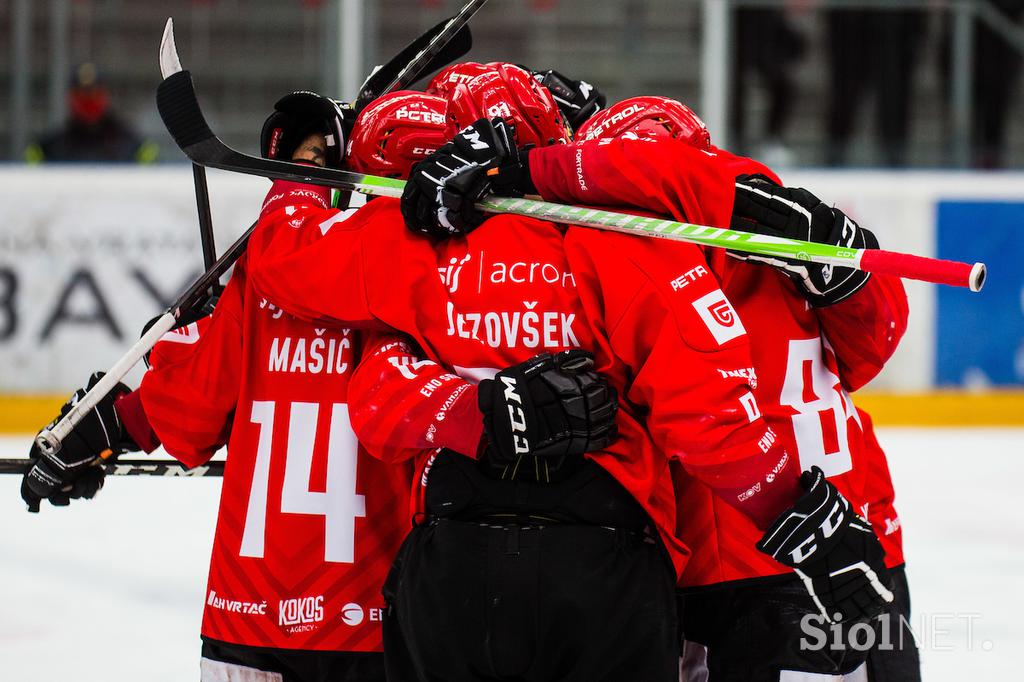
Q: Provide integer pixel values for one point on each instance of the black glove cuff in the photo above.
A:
(870, 241)
(524, 183)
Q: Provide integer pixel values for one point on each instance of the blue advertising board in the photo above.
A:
(980, 336)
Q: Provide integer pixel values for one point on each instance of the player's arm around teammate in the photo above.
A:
(438, 200)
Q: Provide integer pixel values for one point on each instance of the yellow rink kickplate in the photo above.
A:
(944, 408)
(29, 413)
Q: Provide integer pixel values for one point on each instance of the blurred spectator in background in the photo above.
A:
(768, 45)
(994, 79)
(92, 131)
(872, 49)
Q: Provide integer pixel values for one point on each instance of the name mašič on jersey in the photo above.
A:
(308, 523)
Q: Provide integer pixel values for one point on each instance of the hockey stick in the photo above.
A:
(49, 440)
(180, 110)
(438, 47)
(132, 467)
(205, 217)
(169, 64)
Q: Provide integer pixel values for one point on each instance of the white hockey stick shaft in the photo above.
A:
(50, 440)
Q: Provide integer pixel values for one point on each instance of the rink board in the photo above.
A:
(89, 254)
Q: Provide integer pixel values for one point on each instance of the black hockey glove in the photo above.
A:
(551, 407)
(764, 207)
(482, 159)
(833, 550)
(577, 100)
(299, 115)
(72, 472)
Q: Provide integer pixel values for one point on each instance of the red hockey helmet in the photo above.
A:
(395, 132)
(509, 92)
(648, 117)
(445, 81)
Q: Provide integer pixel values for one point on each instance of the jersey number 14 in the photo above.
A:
(340, 505)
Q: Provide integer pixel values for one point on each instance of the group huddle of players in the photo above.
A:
(472, 447)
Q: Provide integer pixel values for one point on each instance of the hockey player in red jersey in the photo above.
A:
(798, 351)
(308, 524)
(483, 302)
(825, 351)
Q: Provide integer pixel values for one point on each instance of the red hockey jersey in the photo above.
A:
(406, 406)
(805, 360)
(516, 287)
(308, 522)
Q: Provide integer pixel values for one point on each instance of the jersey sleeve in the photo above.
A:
(189, 394)
(660, 176)
(176, 345)
(402, 403)
(669, 321)
(303, 255)
(865, 329)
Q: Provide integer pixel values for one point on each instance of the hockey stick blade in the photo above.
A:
(169, 468)
(179, 108)
(431, 51)
(171, 64)
(457, 25)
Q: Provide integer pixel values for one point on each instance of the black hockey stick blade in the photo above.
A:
(436, 48)
(133, 467)
(419, 66)
(179, 108)
(169, 64)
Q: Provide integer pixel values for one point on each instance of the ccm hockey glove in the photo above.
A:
(833, 550)
(299, 115)
(442, 190)
(764, 207)
(551, 407)
(72, 473)
(577, 100)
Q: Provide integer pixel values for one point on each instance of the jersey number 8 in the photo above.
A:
(822, 409)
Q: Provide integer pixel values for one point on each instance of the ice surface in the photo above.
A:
(112, 589)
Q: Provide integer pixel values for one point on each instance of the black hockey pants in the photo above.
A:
(492, 594)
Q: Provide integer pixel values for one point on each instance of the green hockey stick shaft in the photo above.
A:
(934, 270)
